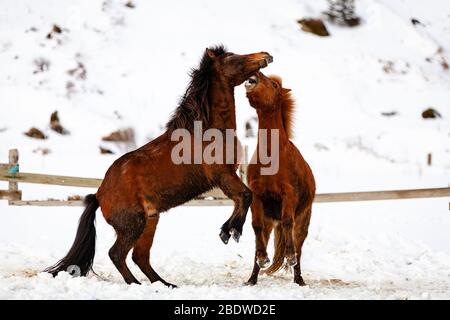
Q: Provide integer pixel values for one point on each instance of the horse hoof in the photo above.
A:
(291, 261)
(250, 283)
(171, 286)
(300, 282)
(235, 234)
(263, 263)
(224, 237)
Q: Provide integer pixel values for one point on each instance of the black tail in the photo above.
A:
(82, 252)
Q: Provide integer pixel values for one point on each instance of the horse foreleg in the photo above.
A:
(262, 228)
(241, 195)
(300, 233)
(287, 221)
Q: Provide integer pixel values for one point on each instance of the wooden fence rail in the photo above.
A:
(212, 198)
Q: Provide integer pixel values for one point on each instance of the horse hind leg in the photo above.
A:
(141, 251)
(129, 226)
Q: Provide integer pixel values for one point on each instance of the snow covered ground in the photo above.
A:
(136, 62)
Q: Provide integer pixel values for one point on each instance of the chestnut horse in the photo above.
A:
(283, 200)
(145, 182)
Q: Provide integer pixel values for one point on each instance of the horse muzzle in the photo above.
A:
(265, 61)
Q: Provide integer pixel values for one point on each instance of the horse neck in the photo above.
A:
(223, 110)
(272, 120)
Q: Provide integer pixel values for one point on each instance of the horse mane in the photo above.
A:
(194, 105)
(287, 107)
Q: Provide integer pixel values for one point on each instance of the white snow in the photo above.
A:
(137, 62)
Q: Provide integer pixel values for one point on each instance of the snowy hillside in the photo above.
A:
(107, 66)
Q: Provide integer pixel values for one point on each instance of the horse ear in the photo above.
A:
(285, 90)
(210, 53)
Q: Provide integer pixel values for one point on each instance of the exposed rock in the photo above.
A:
(431, 113)
(35, 133)
(104, 150)
(342, 13)
(122, 135)
(315, 26)
(55, 29)
(415, 21)
(130, 5)
(55, 125)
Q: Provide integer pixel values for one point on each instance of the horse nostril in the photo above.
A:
(269, 59)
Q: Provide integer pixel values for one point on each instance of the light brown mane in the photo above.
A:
(287, 107)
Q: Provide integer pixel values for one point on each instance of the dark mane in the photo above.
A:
(194, 104)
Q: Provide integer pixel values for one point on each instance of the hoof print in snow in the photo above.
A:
(390, 67)
(389, 113)
(42, 65)
(431, 113)
(104, 150)
(78, 72)
(314, 26)
(42, 151)
(35, 133)
(55, 124)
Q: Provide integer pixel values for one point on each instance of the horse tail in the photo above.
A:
(82, 252)
(280, 247)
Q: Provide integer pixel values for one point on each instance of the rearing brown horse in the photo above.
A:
(145, 182)
(282, 200)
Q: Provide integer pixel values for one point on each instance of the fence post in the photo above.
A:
(244, 165)
(13, 160)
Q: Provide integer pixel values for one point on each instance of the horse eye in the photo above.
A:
(275, 85)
